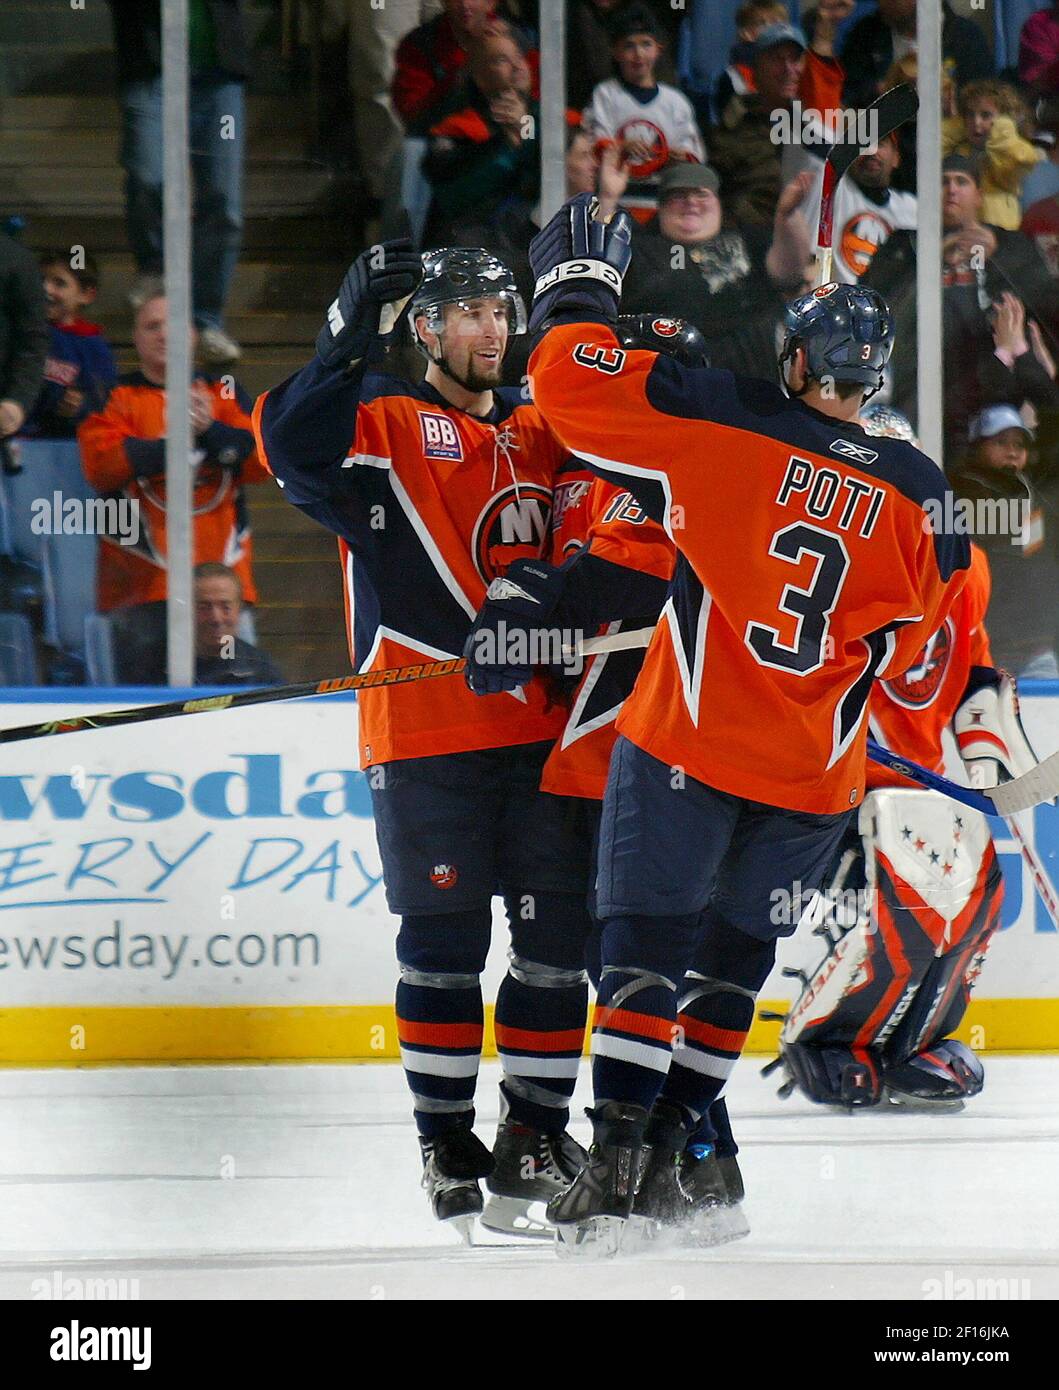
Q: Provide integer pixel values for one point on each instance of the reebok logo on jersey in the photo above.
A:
(856, 452)
(441, 438)
(507, 588)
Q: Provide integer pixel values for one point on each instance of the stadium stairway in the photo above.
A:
(59, 140)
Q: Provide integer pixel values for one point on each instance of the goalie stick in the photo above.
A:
(885, 114)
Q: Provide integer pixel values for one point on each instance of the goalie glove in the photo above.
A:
(989, 732)
(500, 645)
(378, 285)
(578, 264)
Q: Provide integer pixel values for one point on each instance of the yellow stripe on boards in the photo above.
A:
(75, 1036)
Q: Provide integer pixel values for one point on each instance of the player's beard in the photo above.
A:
(470, 379)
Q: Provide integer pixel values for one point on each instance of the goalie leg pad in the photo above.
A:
(834, 1075)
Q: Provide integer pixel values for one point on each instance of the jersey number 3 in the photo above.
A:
(602, 359)
(811, 607)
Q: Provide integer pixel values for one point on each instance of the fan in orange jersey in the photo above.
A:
(123, 453)
(807, 568)
(434, 490)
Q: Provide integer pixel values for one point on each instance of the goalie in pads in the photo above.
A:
(916, 892)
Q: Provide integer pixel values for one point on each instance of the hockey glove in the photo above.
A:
(578, 264)
(498, 650)
(378, 285)
(989, 732)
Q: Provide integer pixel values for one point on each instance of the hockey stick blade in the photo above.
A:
(885, 114)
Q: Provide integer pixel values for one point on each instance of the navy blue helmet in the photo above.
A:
(457, 275)
(847, 332)
(654, 333)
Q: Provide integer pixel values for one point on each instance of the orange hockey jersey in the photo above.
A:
(430, 504)
(909, 713)
(123, 451)
(614, 527)
(807, 568)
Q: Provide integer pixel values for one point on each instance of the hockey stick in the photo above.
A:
(885, 114)
(1041, 881)
(393, 675)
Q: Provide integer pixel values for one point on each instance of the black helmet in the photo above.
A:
(458, 274)
(847, 332)
(675, 337)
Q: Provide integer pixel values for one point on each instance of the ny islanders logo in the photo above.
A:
(645, 132)
(513, 525)
(443, 875)
(861, 237)
(919, 685)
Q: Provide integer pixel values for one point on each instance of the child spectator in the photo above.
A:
(79, 369)
(651, 122)
(991, 127)
(1024, 561)
(737, 80)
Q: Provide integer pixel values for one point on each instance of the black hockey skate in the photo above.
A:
(714, 1188)
(591, 1214)
(532, 1167)
(940, 1077)
(661, 1208)
(452, 1165)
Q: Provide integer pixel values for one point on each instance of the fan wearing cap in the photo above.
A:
(730, 280)
(1011, 500)
(640, 123)
(434, 490)
(980, 264)
(743, 147)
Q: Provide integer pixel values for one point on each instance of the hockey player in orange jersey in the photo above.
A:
(434, 489)
(807, 568)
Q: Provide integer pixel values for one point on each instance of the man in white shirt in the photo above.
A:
(867, 210)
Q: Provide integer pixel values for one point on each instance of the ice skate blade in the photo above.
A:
(464, 1226)
(643, 1234)
(511, 1216)
(598, 1238)
(894, 1100)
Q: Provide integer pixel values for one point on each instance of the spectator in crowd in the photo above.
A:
(979, 263)
(880, 51)
(1039, 52)
(374, 34)
(221, 655)
(79, 369)
(888, 35)
(430, 61)
(991, 127)
(1024, 553)
(730, 281)
(867, 210)
(650, 122)
(220, 63)
(588, 47)
(1041, 225)
(1021, 370)
(23, 340)
(737, 80)
(123, 455)
(744, 149)
(485, 154)
(1042, 181)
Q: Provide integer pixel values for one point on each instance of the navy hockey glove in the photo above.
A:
(578, 265)
(378, 285)
(499, 647)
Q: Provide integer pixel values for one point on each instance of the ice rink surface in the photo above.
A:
(303, 1182)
